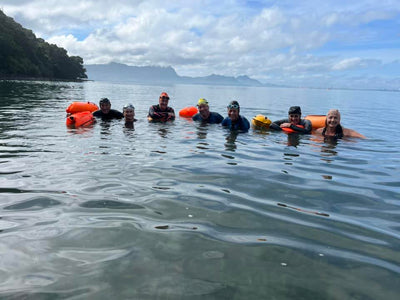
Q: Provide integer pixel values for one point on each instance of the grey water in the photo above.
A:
(184, 211)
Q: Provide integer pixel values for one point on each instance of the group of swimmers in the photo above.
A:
(161, 112)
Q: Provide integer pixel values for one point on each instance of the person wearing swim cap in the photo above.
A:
(105, 112)
(205, 115)
(333, 128)
(161, 112)
(235, 121)
(129, 115)
(294, 122)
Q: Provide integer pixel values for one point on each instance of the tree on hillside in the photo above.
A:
(24, 55)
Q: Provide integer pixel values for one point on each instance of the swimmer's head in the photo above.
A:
(128, 106)
(294, 110)
(333, 112)
(202, 101)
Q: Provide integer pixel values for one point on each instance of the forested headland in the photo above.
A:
(23, 56)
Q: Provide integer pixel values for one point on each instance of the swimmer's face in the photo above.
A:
(129, 114)
(105, 107)
(294, 119)
(163, 102)
(204, 111)
(333, 119)
(233, 114)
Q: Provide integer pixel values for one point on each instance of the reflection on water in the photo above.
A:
(230, 144)
(182, 210)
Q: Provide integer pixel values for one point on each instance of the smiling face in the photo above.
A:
(333, 118)
(129, 114)
(233, 114)
(204, 110)
(294, 119)
(163, 102)
(105, 107)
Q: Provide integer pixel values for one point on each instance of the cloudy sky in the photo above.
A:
(330, 43)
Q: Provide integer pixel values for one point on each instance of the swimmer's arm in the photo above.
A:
(352, 133)
(307, 126)
(276, 125)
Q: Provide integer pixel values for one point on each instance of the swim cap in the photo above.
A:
(234, 104)
(128, 106)
(294, 110)
(104, 100)
(202, 101)
(164, 94)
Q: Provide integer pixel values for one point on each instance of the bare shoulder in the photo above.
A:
(352, 133)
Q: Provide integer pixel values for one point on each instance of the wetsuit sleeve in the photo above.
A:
(151, 112)
(245, 124)
(171, 118)
(307, 126)
(276, 124)
(117, 114)
(196, 117)
(97, 113)
(155, 114)
(218, 118)
(226, 122)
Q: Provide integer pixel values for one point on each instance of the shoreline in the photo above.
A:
(27, 78)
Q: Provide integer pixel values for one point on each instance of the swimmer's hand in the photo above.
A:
(285, 125)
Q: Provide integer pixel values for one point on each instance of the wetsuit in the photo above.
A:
(213, 118)
(338, 132)
(241, 124)
(113, 114)
(156, 114)
(306, 123)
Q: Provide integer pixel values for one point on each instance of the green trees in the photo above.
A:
(23, 55)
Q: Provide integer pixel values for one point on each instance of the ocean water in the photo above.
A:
(183, 211)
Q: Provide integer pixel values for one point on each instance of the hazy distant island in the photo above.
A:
(116, 72)
(23, 56)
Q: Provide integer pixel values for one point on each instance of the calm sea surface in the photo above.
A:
(180, 211)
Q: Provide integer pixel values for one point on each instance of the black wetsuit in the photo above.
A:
(306, 123)
(113, 114)
(241, 124)
(157, 114)
(213, 118)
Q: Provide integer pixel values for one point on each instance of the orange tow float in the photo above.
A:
(188, 112)
(80, 114)
(80, 119)
(76, 107)
(317, 121)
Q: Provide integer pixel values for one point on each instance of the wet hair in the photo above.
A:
(294, 110)
(104, 100)
(338, 131)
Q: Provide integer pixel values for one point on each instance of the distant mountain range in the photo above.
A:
(160, 75)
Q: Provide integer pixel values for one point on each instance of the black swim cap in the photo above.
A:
(104, 100)
(295, 110)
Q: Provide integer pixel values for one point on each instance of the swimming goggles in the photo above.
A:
(128, 106)
(234, 106)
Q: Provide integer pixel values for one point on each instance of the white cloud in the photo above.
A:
(198, 38)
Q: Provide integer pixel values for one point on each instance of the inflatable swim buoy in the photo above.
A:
(80, 119)
(76, 107)
(188, 112)
(261, 121)
(290, 130)
(317, 121)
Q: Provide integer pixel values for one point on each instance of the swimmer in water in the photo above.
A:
(294, 122)
(334, 129)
